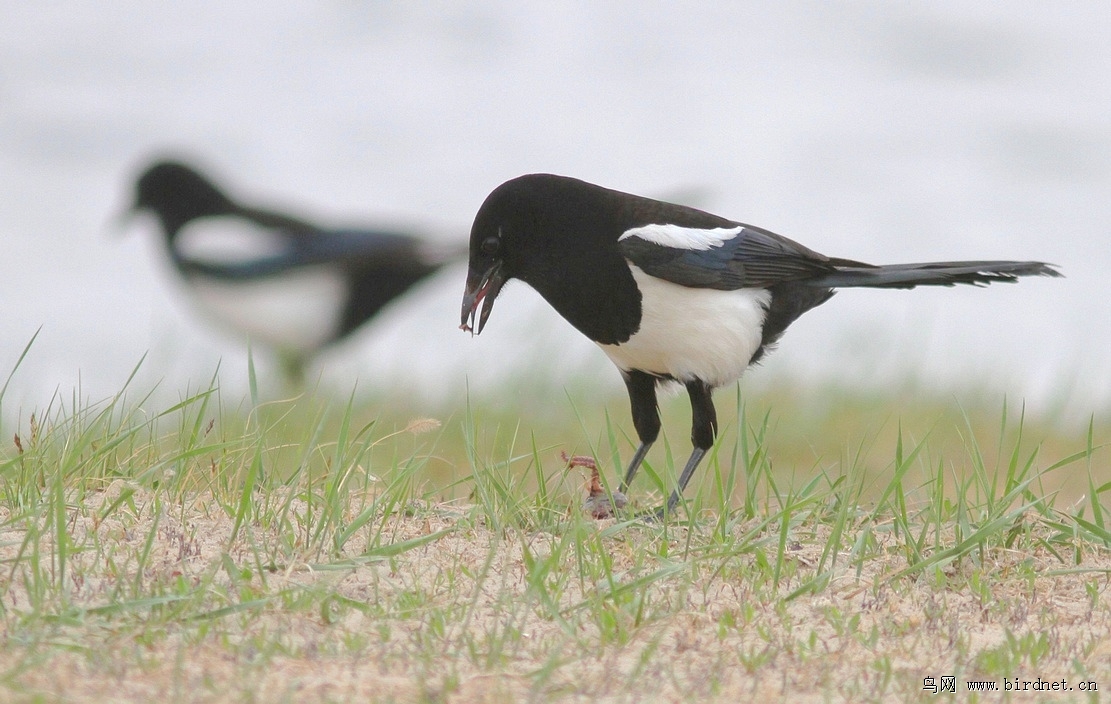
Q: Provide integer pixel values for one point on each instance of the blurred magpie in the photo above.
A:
(670, 293)
(290, 284)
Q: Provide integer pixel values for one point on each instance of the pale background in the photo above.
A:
(880, 131)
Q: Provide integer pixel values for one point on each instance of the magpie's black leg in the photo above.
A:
(293, 369)
(704, 427)
(646, 418)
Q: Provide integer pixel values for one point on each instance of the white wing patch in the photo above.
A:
(227, 240)
(691, 238)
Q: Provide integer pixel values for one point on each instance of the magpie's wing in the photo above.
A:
(353, 246)
(310, 244)
(725, 258)
(347, 249)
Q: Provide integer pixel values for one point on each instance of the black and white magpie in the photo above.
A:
(669, 293)
(294, 286)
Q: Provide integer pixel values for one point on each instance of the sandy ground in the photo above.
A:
(460, 619)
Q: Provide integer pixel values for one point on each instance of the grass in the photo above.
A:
(316, 549)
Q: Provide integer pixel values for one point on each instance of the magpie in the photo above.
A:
(292, 285)
(670, 293)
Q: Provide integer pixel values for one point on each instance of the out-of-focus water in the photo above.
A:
(873, 130)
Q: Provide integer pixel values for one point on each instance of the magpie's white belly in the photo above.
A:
(295, 312)
(692, 333)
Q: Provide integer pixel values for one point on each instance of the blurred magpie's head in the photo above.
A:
(176, 194)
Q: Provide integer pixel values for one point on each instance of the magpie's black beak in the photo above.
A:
(121, 221)
(482, 289)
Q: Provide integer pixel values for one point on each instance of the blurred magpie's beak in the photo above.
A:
(121, 222)
(482, 289)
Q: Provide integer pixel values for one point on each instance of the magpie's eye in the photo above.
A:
(491, 245)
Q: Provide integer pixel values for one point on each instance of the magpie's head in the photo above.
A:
(176, 194)
(519, 232)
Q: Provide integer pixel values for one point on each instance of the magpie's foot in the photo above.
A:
(602, 506)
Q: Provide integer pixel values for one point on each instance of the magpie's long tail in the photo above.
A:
(849, 274)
